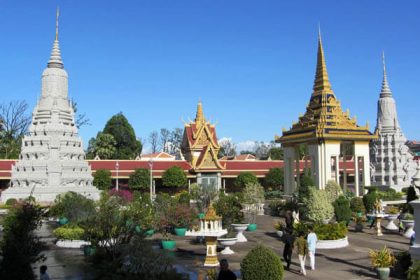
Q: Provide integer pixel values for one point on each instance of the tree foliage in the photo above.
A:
(275, 153)
(342, 209)
(139, 179)
(274, 178)
(20, 246)
(102, 179)
(317, 206)
(74, 206)
(245, 178)
(174, 177)
(105, 146)
(227, 148)
(262, 263)
(333, 190)
(127, 146)
(229, 208)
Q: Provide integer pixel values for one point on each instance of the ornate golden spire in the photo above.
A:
(199, 117)
(322, 82)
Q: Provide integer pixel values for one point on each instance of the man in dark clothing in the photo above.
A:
(225, 273)
(289, 220)
(289, 241)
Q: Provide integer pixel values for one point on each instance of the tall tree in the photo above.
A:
(275, 153)
(127, 147)
(154, 141)
(227, 148)
(164, 139)
(14, 122)
(105, 146)
(175, 140)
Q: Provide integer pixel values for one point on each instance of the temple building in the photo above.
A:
(331, 138)
(52, 159)
(200, 148)
(392, 164)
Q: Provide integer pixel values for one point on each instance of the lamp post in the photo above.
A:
(117, 167)
(151, 178)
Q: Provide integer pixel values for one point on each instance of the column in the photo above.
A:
(356, 174)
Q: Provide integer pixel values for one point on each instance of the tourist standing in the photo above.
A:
(312, 240)
(288, 240)
(302, 249)
(289, 220)
(43, 275)
(225, 273)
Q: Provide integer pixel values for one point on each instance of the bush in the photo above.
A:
(369, 200)
(229, 208)
(11, 202)
(74, 206)
(69, 232)
(404, 262)
(102, 179)
(333, 190)
(140, 179)
(273, 194)
(317, 206)
(331, 231)
(390, 195)
(262, 263)
(274, 178)
(276, 206)
(245, 178)
(174, 177)
(183, 197)
(414, 271)
(356, 205)
(342, 209)
(382, 258)
(182, 215)
(253, 193)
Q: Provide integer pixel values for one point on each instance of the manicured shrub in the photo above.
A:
(69, 232)
(262, 263)
(274, 178)
(140, 179)
(369, 200)
(183, 197)
(323, 231)
(342, 209)
(390, 195)
(333, 190)
(102, 179)
(245, 178)
(253, 193)
(307, 181)
(11, 202)
(174, 177)
(317, 206)
(356, 205)
(273, 194)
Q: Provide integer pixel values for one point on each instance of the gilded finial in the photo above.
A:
(322, 82)
(199, 118)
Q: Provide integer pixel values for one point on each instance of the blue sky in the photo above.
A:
(252, 63)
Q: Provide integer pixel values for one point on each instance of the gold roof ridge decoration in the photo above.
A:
(324, 117)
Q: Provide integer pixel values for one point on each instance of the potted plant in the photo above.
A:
(183, 217)
(359, 220)
(408, 223)
(392, 214)
(280, 227)
(253, 195)
(163, 207)
(382, 260)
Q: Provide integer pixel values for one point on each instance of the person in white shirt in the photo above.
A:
(312, 240)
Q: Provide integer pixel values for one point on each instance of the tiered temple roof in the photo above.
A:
(324, 117)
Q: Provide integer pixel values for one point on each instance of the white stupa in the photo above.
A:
(52, 159)
(392, 163)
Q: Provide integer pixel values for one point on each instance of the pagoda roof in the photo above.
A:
(324, 118)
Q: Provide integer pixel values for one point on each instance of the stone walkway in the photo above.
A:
(347, 263)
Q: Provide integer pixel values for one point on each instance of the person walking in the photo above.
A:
(302, 250)
(288, 240)
(312, 240)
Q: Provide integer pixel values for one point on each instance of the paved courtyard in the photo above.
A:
(347, 263)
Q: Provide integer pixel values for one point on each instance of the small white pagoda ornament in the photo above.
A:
(211, 229)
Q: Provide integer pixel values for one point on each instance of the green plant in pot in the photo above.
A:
(253, 195)
(182, 218)
(142, 214)
(382, 260)
(229, 208)
(163, 207)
